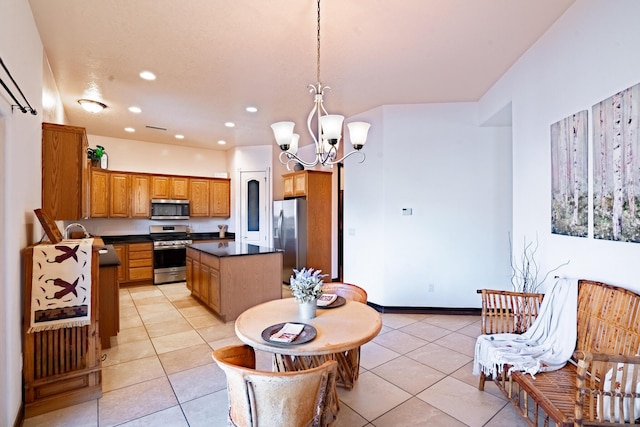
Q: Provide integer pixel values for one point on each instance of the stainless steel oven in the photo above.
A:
(169, 253)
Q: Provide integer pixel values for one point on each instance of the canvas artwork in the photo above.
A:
(569, 176)
(616, 167)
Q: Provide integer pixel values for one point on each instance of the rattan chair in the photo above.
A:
(346, 290)
(276, 399)
(348, 361)
(507, 312)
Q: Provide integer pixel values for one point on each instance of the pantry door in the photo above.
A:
(254, 208)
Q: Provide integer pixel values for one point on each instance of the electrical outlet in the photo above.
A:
(431, 287)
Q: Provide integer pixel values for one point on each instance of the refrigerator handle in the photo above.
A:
(279, 227)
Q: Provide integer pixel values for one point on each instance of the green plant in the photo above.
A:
(95, 154)
(306, 284)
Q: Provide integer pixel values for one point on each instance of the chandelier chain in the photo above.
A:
(318, 53)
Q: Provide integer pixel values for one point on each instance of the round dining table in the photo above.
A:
(338, 329)
(339, 333)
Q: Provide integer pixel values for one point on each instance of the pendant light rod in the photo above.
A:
(329, 127)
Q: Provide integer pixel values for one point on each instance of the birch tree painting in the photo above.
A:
(616, 167)
(569, 176)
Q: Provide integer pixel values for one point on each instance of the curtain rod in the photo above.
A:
(21, 107)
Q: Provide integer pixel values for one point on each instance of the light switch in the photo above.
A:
(407, 211)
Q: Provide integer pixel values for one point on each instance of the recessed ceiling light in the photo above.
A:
(230, 124)
(222, 142)
(92, 106)
(252, 109)
(135, 109)
(178, 136)
(148, 75)
(129, 130)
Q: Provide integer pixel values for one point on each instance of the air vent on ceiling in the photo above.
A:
(155, 127)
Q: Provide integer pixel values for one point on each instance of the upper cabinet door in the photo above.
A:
(160, 188)
(140, 197)
(65, 172)
(99, 193)
(220, 198)
(199, 189)
(179, 187)
(119, 198)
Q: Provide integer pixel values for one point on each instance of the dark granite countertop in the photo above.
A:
(224, 249)
(142, 238)
(108, 258)
(212, 236)
(130, 238)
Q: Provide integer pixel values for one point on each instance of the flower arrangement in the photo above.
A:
(306, 284)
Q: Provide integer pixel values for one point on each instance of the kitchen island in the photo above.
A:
(231, 277)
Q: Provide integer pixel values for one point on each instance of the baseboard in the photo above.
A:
(20, 417)
(425, 310)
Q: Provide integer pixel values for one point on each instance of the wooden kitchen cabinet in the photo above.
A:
(121, 250)
(315, 187)
(109, 321)
(99, 193)
(140, 196)
(119, 196)
(228, 285)
(169, 187)
(136, 262)
(179, 187)
(199, 197)
(220, 197)
(65, 172)
(140, 261)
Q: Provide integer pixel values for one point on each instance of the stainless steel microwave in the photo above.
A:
(169, 209)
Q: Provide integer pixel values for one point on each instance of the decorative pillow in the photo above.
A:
(606, 400)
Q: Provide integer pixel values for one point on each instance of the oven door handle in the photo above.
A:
(165, 248)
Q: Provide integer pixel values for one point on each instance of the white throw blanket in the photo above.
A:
(545, 346)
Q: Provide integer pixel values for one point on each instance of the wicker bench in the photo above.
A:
(581, 393)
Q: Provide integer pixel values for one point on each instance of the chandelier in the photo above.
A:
(329, 129)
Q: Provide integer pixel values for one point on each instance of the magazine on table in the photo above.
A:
(326, 299)
(288, 333)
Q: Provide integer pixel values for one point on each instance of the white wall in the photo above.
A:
(455, 177)
(20, 187)
(151, 157)
(588, 55)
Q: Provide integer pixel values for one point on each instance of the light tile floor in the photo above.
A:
(159, 371)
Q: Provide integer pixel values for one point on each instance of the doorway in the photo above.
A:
(254, 208)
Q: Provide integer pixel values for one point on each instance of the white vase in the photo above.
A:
(307, 310)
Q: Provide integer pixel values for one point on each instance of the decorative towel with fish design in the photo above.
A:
(61, 285)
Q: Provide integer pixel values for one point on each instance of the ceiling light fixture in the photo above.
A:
(252, 109)
(147, 75)
(179, 136)
(329, 128)
(92, 106)
(130, 130)
(134, 109)
(230, 124)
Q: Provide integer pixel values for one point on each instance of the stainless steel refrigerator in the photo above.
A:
(290, 234)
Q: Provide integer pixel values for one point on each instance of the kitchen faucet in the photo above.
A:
(75, 224)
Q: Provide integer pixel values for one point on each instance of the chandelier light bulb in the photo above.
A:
(358, 133)
(283, 131)
(293, 148)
